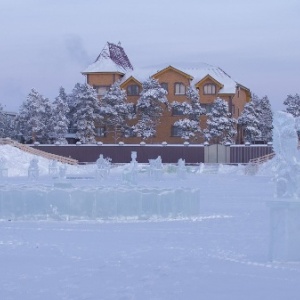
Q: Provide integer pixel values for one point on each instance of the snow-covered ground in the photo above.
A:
(221, 252)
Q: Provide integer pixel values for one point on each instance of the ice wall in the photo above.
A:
(62, 201)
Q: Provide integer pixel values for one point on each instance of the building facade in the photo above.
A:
(211, 82)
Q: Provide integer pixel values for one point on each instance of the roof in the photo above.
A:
(196, 71)
(111, 59)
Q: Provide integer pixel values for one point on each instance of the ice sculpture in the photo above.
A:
(156, 168)
(62, 171)
(130, 172)
(181, 169)
(285, 209)
(3, 168)
(33, 170)
(103, 167)
(53, 169)
(285, 142)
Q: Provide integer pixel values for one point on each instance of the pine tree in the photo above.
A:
(87, 112)
(33, 118)
(7, 125)
(150, 108)
(60, 122)
(265, 117)
(249, 120)
(116, 111)
(3, 123)
(71, 100)
(292, 103)
(189, 126)
(221, 127)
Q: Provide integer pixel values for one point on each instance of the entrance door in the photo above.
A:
(217, 154)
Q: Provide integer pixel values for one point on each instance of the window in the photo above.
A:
(176, 131)
(133, 90)
(179, 88)
(177, 110)
(164, 85)
(101, 89)
(129, 132)
(100, 131)
(209, 89)
(207, 107)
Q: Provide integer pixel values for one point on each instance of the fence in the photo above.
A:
(192, 154)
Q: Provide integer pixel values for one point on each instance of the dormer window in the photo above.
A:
(133, 90)
(179, 88)
(209, 89)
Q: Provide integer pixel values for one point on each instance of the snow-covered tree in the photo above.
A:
(249, 120)
(221, 127)
(33, 118)
(7, 125)
(189, 127)
(265, 117)
(60, 122)
(116, 111)
(292, 103)
(150, 108)
(87, 112)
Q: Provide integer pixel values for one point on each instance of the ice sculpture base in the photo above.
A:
(284, 230)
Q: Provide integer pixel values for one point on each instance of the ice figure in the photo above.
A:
(130, 172)
(3, 168)
(181, 169)
(62, 171)
(33, 170)
(103, 167)
(285, 142)
(53, 169)
(156, 168)
(285, 210)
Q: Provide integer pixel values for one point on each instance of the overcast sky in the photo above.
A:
(45, 44)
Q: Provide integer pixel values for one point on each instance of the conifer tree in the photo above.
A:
(33, 118)
(189, 127)
(249, 120)
(265, 117)
(221, 127)
(87, 112)
(116, 111)
(150, 108)
(8, 126)
(292, 103)
(60, 122)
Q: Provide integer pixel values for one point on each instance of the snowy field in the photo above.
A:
(220, 251)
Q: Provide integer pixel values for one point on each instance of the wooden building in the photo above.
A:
(211, 82)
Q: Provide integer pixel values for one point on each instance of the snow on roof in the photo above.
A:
(111, 59)
(197, 71)
(103, 65)
(114, 59)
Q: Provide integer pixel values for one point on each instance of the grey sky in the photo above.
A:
(46, 43)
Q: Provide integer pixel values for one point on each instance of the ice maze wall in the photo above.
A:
(65, 203)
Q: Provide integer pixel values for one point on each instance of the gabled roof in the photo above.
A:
(112, 59)
(196, 72)
(171, 68)
(210, 78)
(129, 79)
